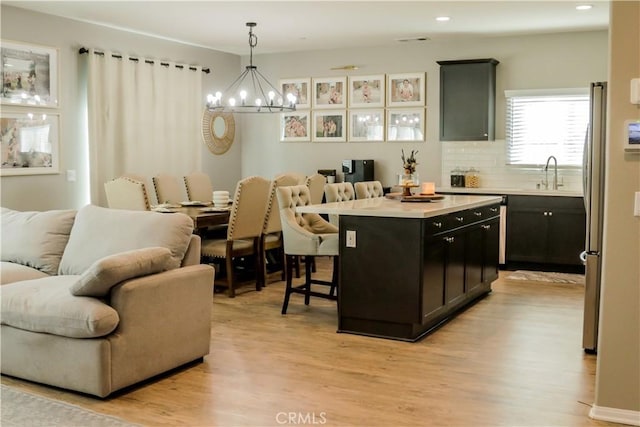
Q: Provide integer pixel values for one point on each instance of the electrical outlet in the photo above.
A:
(351, 238)
(71, 175)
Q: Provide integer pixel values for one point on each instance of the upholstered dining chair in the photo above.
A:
(126, 193)
(272, 231)
(316, 184)
(145, 181)
(199, 187)
(246, 222)
(307, 235)
(296, 176)
(338, 192)
(169, 189)
(368, 189)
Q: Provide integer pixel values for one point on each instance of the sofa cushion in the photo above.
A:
(99, 232)
(113, 269)
(11, 272)
(46, 305)
(36, 239)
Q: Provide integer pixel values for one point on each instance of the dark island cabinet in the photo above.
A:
(545, 230)
(467, 100)
(407, 276)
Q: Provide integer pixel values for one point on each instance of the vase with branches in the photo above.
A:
(409, 163)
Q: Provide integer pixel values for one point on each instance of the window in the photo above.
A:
(541, 123)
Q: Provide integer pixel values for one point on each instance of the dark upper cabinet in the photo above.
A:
(468, 100)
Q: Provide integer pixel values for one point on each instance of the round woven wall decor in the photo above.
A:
(218, 140)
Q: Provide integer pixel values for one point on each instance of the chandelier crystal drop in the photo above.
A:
(251, 92)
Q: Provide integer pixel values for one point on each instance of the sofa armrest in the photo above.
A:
(192, 256)
(165, 322)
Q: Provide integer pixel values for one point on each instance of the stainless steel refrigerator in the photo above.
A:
(593, 180)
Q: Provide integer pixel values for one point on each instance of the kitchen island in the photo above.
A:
(406, 268)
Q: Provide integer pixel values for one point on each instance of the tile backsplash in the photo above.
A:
(489, 159)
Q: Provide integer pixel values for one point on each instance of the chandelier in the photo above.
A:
(251, 92)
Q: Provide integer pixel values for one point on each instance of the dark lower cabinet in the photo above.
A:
(491, 243)
(454, 279)
(407, 276)
(545, 230)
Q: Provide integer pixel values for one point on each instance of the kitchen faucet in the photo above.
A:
(555, 173)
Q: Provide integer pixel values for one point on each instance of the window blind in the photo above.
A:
(542, 123)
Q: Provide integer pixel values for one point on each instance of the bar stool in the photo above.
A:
(308, 235)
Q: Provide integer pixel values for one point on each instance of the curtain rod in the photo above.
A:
(148, 61)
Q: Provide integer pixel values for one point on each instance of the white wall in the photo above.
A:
(41, 192)
(526, 62)
(618, 370)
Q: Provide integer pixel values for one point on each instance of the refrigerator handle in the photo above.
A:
(585, 169)
(583, 257)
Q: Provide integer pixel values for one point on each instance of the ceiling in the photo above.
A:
(286, 26)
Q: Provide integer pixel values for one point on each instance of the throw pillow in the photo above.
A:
(35, 239)
(111, 270)
(99, 232)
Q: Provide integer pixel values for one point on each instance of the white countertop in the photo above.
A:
(384, 207)
(508, 191)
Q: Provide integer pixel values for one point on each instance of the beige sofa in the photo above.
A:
(100, 299)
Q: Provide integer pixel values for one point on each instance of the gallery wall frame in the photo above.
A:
(366, 125)
(29, 143)
(330, 126)
(300, 88)
(29, 74)
(363, 108)
(330, 92)
(294, 127)
(367, 91)
(406, 90)
(406, 124)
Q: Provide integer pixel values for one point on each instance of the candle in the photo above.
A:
(428, 188)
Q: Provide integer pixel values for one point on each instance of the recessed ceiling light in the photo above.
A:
(584, 7)
(443, 18)
(414, 39)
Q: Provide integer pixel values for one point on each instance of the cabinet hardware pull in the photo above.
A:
(437, 224)
(550, 213)
(493, 209)
(477, 213)
(546, 214)
(459, 218)
(486, 227)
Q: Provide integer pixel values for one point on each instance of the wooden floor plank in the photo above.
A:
(514, 358)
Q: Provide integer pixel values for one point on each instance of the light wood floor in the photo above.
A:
(513, 359)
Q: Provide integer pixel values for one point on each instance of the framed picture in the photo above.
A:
(405, 124)
(300, 88)
(29, 74)
(329, 126)
(330, 92)
(366, 125)
(294, 126)
(366, 91)
(29, 143)
(406, 90)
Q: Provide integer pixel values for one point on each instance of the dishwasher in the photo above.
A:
(503, 231)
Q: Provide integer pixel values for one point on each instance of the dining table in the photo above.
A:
(203, 215)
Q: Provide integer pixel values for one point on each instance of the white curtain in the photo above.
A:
(143, 118)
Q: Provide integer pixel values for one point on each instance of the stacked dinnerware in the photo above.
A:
(221, 199)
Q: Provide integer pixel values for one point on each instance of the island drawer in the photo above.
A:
(444, 223)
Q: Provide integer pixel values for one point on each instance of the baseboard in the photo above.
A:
(623, 416)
